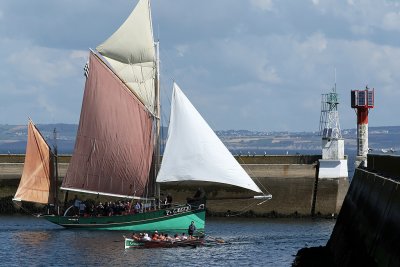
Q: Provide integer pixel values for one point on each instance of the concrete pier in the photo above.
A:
(291, 179)
(367, 231)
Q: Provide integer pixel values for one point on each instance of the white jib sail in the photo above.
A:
(130, 52)
(195, 153)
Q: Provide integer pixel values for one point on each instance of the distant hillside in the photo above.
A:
(245, 141)
(13, 139)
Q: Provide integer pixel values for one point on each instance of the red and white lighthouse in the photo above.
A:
(362, 101)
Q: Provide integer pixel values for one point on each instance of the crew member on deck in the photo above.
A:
(191, 230)
(198, 198)
(168, 201)
(77, 204)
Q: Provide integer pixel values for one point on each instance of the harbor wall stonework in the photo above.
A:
(367, 231)
(289, 178)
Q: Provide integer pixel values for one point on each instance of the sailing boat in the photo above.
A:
(117, 141)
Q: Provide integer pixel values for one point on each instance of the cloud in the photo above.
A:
(314, 43)
(79, 54)
(268, 74)
(40, 82)
(365, 18)
(181, 49)
(265, 5)
(361, 29)
(41, 64)
(391, 21)
(46, 104)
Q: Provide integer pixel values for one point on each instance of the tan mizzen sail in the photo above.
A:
(37, 175)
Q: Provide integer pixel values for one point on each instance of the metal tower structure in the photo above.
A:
(329, 126)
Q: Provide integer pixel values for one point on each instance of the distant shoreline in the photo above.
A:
(243, 142)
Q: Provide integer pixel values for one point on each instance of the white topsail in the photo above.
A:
(195, 153)
(133, 58)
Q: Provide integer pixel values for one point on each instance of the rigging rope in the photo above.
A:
(247, 168)
(19, 204)
(244, 210)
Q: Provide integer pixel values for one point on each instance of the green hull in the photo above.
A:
(160, 220)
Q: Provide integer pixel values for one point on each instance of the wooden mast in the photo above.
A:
(158, 122)
(56, 206)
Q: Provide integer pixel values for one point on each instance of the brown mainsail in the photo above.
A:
(114, 143)
(37, 176)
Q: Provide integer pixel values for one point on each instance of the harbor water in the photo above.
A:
(30, 241)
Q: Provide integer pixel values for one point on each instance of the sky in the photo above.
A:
(246, 64)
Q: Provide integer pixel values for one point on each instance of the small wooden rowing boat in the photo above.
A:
(132, 243)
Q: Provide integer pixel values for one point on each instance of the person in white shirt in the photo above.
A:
(146, 237)
(183, 236)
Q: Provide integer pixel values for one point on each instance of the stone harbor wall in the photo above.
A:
(291, 179)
